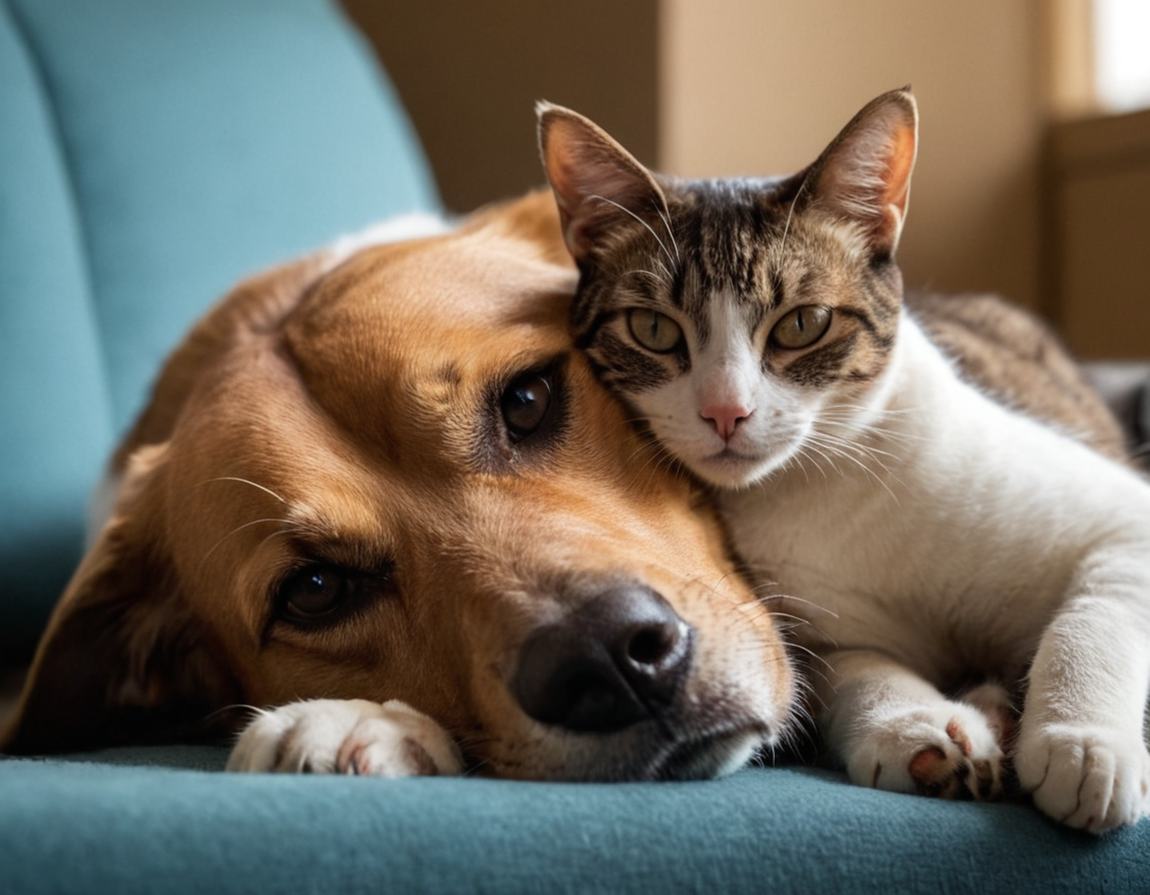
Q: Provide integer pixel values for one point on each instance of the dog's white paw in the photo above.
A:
(346, 736)
(947, 751)
(1091, 778)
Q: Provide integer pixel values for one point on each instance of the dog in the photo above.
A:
(378, 495)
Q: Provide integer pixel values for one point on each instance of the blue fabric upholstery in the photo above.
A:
(55, 422)
(149, 820)
(152, 152)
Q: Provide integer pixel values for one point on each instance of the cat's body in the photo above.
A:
(933, 541)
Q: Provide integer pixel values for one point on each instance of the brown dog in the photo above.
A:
(388, 477)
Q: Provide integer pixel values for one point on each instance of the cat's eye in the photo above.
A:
(654, 331)
(524, 404)
(802, 327)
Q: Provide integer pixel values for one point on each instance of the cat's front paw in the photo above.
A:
(346, 736)
(948, 751)
(1088, 777)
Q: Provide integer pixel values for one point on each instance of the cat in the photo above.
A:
(936, 495)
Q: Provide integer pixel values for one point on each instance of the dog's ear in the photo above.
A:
(863, 176)
(122, 660)
(597, 183)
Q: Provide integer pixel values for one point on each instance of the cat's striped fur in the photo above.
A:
(911, 473)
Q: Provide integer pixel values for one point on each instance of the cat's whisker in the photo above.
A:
(856, 443)
(812, 446)
(862, 451)
(648, 227)
(670, 233)
(791, 213)
(659, 281)
(840, 451)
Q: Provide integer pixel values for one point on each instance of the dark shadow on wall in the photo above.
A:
(470, 73)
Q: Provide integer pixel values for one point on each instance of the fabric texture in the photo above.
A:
(55, 425)
(152, 153)
(147, 820)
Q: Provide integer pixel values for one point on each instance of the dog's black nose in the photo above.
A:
(617, 659)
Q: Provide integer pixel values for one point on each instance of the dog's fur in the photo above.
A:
(343, 413)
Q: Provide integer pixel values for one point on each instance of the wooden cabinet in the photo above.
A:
(1097, 235)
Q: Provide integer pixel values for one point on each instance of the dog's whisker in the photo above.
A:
(239, 528)
(232, 478)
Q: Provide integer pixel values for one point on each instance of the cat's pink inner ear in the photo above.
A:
(594, 179)
(865, 173)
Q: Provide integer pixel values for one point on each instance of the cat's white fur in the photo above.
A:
(955, 536)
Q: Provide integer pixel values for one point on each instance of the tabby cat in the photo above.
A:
(942, 524)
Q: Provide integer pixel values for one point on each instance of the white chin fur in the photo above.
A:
(735, 471)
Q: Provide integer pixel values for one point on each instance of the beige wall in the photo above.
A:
(760, 86)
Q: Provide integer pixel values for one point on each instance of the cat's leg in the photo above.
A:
(893, 730)
(1081, 749)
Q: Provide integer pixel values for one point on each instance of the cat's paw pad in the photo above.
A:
(947, 752)
(1090, 778)
(354, 736)
(958, 770)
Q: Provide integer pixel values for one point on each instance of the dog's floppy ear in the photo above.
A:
(122, 660)
(597, 183)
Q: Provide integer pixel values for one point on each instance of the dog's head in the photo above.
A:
(392, 478)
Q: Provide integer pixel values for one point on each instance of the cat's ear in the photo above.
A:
(864, 174)
(596, 182)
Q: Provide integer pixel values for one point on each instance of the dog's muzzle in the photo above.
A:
(619, 658)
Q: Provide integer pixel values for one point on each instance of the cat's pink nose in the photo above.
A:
(725, 418)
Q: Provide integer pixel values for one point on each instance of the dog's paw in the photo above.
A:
(948, 751)
(1090, 778)
(352, 736)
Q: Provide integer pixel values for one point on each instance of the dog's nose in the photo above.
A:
(617, 659)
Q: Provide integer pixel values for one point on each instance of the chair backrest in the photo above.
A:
(152, 152)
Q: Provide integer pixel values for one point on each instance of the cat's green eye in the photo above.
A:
(802, 327)
(654, 331)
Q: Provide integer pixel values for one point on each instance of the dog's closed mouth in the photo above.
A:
(713, 754)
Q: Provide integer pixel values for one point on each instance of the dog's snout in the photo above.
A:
(617, 659)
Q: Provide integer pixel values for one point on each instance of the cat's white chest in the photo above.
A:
(953, 528)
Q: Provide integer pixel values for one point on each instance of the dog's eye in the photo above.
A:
(654, 331)
(525, 404)
(312, 593)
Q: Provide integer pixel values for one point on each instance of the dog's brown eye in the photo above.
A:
(525, 404)
(654, 331)
(312, 593)
(802, 327)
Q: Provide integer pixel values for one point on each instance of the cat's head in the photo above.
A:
(745, 322)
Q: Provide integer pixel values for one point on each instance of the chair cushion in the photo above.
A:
(143, 820)
(57, 424)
